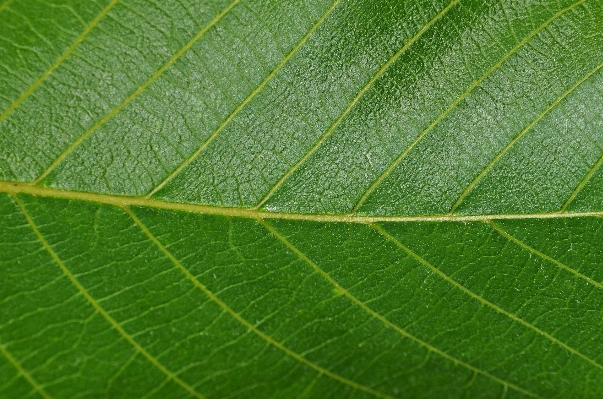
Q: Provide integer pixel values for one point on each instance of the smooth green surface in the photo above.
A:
(301, 199)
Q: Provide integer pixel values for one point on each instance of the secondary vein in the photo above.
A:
(495, 160)
(582, 183)
(384, 320)
(243, 321)
(135, 94)
(368, 85)
(454, 104)
(542, 255)
(99, 308)
(482, 300)
(58, 62)
(244, 102)
(24, 372)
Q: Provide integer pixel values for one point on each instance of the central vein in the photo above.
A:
(121, 201)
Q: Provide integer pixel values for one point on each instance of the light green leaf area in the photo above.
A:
(301, 199)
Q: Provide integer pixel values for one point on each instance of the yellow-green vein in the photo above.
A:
(542, 255)
(582, 183)
(243, 321)
(368, 85)
(24, 373)
(244, 103)
(483, 300)
(519, 136)
(5, 4)
(100, 309)
(456, 102)
(58, 62)
(135, 94)
(16, 188)
(381, 318)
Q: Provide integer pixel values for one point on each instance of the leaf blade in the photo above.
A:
(315, 199)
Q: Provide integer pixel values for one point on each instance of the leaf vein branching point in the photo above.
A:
(384, 320)
(366, 87)
(243, 321)
(495, 160)
(244, 102)
(23, 372)
(58, 62)
(99, 308)
(483, 300)
(135, 94)
(456, 102)
(542, 255)
(121, 201)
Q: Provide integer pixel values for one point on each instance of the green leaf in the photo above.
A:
(301, 199)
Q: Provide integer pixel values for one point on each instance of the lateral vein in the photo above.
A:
(582, 183)
(59, 61)
(368, 85)
(542, 255)
(245, 102)
(495, 160)
(482, 300)
(381, 318)
(99, 308)
(135, 94)
(243, 321)
(23, 372)
(456, 102)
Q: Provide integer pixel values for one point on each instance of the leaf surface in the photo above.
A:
(301, 199)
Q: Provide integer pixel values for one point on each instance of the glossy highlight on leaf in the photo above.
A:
(301, 199)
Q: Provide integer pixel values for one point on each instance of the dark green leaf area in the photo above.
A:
(175, 304)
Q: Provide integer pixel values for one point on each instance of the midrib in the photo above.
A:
(121, 201)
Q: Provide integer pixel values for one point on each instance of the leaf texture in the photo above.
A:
(301, 199)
